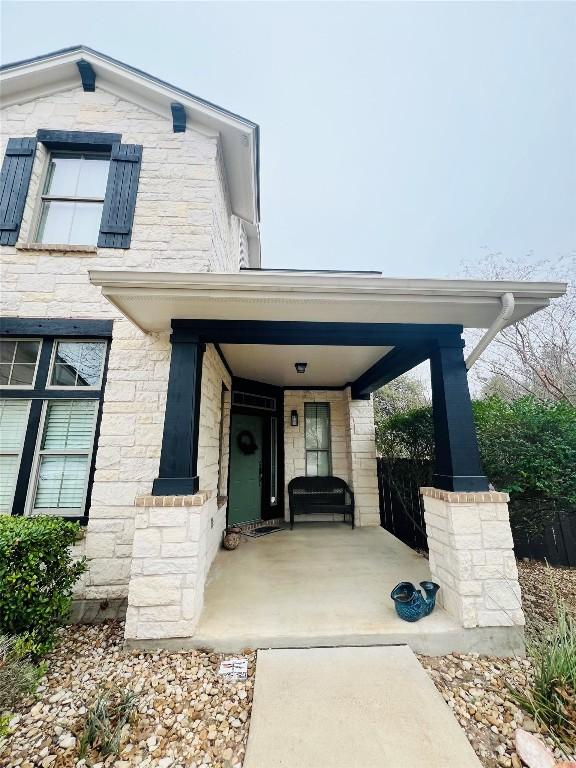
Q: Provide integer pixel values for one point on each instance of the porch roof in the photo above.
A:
(152, 300)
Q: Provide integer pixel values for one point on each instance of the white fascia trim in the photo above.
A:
(342, 286)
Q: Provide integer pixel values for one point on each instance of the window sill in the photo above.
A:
(56, 247)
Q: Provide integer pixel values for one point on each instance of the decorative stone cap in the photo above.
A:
(196, 500)
(462, 497)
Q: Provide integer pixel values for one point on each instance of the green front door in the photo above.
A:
(245, 499)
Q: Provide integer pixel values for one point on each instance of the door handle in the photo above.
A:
(260, 472)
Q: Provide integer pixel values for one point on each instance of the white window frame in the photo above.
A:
(39, 452)
(23, 386)
(46, 198)
(73, 387)
(19, 452)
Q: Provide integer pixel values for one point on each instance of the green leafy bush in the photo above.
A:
(37, 574)
(528, 449)
(18, 677)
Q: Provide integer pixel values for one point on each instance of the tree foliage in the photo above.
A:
(535, 356)
(528, 449)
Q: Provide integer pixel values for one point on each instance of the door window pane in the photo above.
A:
(78, 363)
(13, 422)
(18, 361)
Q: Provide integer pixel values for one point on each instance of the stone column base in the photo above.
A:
(472, 557)
(175, 541)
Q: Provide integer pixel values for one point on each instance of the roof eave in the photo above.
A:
(49, 73)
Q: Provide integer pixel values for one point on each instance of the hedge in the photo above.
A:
(37, 574)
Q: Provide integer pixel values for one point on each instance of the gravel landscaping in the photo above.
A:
(187, 715)
(476, 688)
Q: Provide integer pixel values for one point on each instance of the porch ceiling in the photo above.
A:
(327, 366)
(153, 299)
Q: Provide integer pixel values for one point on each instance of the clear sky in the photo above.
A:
(405, 137)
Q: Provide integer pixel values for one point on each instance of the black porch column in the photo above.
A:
(178, 474)
(457, 464)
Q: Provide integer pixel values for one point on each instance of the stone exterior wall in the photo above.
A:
(363, 460)
(353, 447)
(472, 557)
(182, 223)
(175, 541)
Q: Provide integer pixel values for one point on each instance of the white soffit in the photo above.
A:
(34, 78)
(152, 299)
(327, 366)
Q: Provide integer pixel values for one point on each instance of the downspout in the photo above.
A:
(507, 301)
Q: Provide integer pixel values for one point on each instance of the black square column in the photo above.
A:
(457, 465)
(178, 473)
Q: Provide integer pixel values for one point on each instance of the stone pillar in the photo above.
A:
(175, 540)
(472, 557)
(363, 475)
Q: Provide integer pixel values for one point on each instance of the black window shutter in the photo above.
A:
(14, 183)
(120, 200)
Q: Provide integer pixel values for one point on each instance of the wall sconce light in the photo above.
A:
(300, 367)
(294, 418)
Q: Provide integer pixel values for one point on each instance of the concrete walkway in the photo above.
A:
(371, 707)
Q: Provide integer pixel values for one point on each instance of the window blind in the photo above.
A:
(13, 420)
(69, 424)
(64, 458)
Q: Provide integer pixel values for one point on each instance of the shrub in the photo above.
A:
(528, 449)
(18, 677)
(551, 699)
(37, 575)
(105, 721)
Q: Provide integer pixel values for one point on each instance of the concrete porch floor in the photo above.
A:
(322, 584)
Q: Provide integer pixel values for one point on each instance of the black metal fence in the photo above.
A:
(401, 506)
(402, 513)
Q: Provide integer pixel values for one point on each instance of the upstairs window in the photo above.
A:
(317, 439)
(73, 198)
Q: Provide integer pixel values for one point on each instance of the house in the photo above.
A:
(143, 346)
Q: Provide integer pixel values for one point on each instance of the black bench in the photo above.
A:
(308, 495)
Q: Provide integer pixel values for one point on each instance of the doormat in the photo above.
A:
(264, 530)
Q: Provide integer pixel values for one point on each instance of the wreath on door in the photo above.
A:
(246, 443)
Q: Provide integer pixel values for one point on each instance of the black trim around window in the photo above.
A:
(50, 332)
(78, 141)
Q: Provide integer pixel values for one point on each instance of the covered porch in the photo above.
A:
(246, 334)
(323, 584)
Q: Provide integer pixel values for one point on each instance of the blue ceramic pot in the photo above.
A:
(408, 601)
(430, 589)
